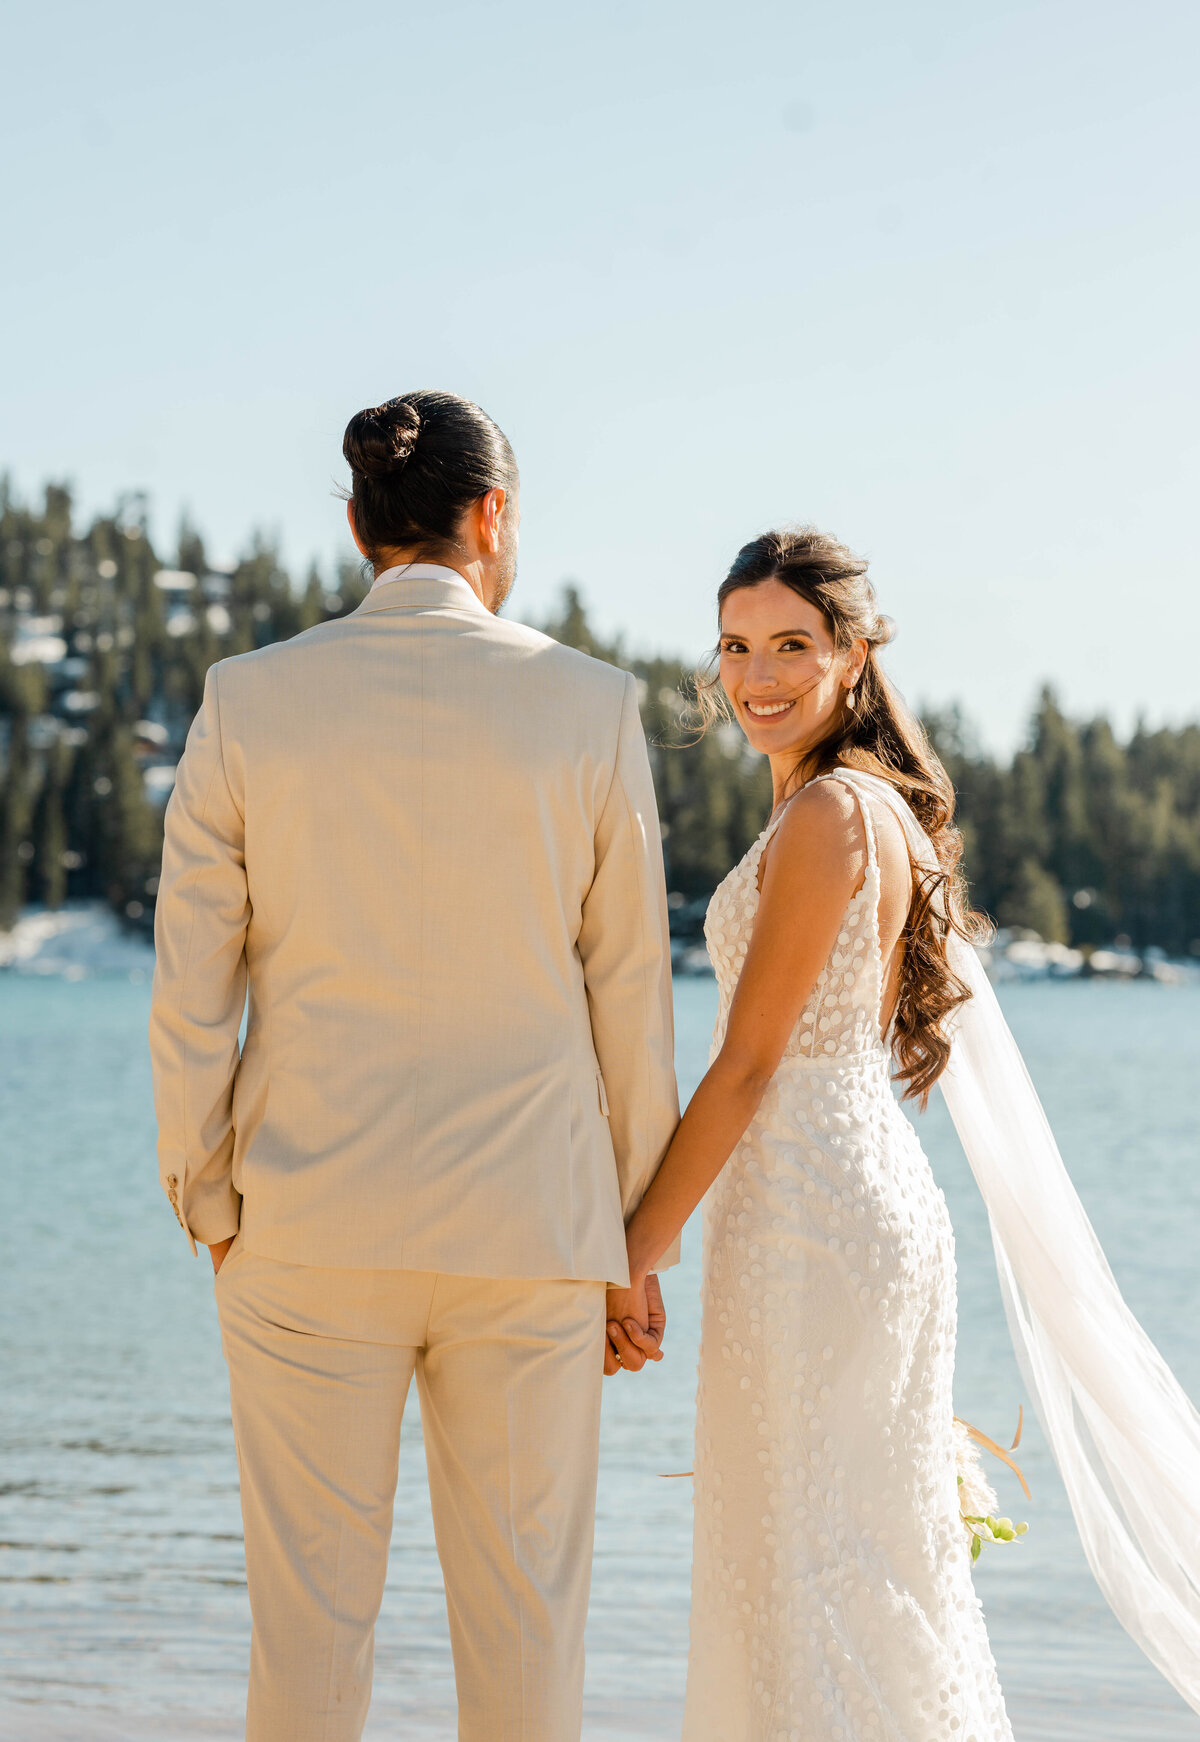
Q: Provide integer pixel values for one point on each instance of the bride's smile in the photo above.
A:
(764, 710)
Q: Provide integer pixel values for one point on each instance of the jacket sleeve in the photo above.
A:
(200, 922)
(626, 954)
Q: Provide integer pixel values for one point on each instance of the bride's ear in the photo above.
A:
(855, 662)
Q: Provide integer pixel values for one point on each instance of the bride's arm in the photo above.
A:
(816, 860)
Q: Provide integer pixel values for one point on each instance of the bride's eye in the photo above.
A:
(794, 647)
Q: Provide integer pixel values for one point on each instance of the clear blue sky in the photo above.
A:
(925, 274)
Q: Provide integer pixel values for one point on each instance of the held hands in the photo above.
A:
(636, 1322)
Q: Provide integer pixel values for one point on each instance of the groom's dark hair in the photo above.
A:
(417, 463)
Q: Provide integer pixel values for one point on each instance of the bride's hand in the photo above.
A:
(637, 1320)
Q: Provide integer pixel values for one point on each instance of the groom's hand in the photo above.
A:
(637, 1320)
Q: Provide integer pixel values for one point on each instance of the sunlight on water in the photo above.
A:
(121, 1586)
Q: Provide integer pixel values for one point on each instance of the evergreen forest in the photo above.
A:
(1081, 836)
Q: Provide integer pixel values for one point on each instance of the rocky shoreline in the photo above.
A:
(81, 940)
(85, 939)
(1022, 955)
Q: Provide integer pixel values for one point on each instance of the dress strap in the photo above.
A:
(770, 830)
(760, 847)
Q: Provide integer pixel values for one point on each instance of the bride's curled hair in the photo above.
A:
(880, 736)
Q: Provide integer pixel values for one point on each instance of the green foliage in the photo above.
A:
(714, 793)
(1035, 902)
(1081, 838)
(1078, 837)
(15, 847)
(102, 666)
(988, 1529)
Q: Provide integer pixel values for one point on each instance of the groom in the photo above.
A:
(424, 840)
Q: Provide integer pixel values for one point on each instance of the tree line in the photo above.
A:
(1079, 836)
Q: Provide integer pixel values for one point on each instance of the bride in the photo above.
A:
(833, 1599)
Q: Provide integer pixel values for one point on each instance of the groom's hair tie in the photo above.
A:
(418, 462)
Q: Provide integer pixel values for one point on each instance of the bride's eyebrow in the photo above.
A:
(787, 634)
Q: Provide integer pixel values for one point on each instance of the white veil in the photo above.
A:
(1124, 1435)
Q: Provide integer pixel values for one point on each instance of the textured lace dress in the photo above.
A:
(832, 1592)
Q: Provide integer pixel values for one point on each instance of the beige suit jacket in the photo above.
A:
(426, 840)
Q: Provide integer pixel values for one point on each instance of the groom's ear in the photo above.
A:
(491, 513)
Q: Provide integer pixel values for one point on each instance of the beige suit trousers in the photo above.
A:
(509, 1375)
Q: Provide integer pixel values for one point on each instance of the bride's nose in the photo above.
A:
(761, 673)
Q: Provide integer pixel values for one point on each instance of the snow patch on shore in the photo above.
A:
(80, 940)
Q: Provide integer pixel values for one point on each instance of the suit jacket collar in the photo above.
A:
(421, 587)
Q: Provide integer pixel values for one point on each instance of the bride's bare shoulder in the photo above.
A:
(821, 834)
(826, 808)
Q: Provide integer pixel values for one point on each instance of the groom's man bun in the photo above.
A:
(417, 463)
(380, 440)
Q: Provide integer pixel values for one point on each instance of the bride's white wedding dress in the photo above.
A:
(832, 1595)
(832, 1591)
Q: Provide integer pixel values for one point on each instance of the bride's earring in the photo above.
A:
(850, 700)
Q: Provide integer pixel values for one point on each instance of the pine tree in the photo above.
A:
(16, 848)
(49, 870)
(1077, 836)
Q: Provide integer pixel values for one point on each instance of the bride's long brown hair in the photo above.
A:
(880, 736)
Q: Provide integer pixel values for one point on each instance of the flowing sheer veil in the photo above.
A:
(1124, 1435)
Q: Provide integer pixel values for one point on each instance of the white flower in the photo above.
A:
(976, 1496)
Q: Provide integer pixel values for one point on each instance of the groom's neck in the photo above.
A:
(481, 573)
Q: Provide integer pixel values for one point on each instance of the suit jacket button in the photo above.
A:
(172, 1179)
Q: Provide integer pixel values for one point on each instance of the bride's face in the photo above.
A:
(785, 678)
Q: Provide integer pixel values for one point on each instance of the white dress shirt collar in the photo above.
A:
(422, 587)
(419, 572)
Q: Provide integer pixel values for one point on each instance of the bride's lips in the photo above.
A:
(768, 710)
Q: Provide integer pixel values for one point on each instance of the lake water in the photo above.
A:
(124, 1615)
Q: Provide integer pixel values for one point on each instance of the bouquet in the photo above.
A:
(976, 1496)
